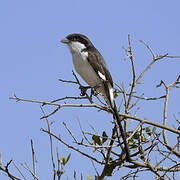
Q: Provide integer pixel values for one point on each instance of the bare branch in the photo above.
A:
(6, 170)
(107, 165)
(51, 113)
(33, 157)
(71, 147)
(68, 97)
(144, 121)
(59, 105)
(134, 75)
(149, 48)
(51, 146)
(29, 170)
(19, 170)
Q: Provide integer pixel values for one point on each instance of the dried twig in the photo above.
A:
(51, 146)
(71, 147)
(144, 121)
(33, 157)
(6, 170)
(29, 170)
(19, 170)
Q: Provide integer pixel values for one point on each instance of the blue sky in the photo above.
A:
(32, 59)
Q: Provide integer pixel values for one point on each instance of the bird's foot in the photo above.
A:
(94, 92)
(83, 90)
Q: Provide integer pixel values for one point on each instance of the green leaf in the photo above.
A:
(136, 135)
(134, 146)
(68, 157)
(131, 142)
(154, 129)
(59, 173)
(104, 137)
(96, 139)
(89, 177)
(63, 160)
(116, 93)
(148, 131)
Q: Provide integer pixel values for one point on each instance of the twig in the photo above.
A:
(6, 170)
(58, 160)
(155, 58)
(66, 81)
(86, 145)
(148, 47)
(139, 164)
(51, 145)
(83, 133)
(164, 158)
(0, 159)
(167, 88)
(169, 148)
(150, 98)
(70, 132)
(173, 56)
(134, 75)
(107, 165)
(134, 132)
(33, 157)
(144, 121)
(25, 166)
(51, 113)
(95, 168)
(68, 97)
(19, 170)
(91, 134)
(80, 86)
(59, 105)
(71, 147)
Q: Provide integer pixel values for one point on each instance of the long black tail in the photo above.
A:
(116, 115)
(111, 102)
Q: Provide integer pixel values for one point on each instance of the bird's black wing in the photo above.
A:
(96, 60)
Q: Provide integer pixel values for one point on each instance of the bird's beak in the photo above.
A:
(65, 40)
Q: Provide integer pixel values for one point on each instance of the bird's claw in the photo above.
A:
(83, 90)
(94, 92)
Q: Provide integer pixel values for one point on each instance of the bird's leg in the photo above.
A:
(83, 90)
(94, 91)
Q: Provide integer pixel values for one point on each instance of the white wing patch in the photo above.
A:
(111, 95)
(102, 76)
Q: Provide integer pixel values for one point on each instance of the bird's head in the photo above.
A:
(77, 42)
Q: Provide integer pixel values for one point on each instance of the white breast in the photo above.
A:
(82, 65)
(84, 69)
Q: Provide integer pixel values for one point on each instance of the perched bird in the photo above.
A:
(90, 65)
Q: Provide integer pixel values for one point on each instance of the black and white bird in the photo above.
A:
(90, 65)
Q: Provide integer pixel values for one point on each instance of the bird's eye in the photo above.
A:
(75, 38)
